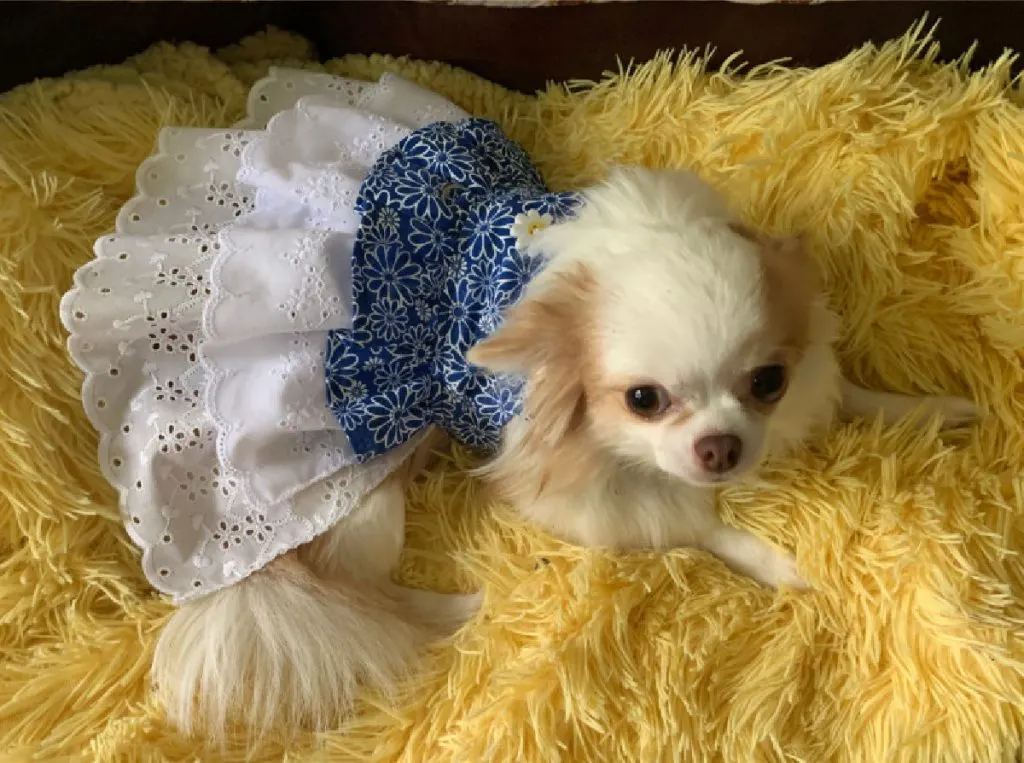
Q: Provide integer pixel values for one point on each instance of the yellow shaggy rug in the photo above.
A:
(908, 177)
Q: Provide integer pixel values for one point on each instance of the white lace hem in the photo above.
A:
(201, 326)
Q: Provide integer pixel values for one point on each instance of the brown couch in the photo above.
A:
(521, 47)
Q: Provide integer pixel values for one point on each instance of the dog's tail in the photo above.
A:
(286, 646)
(291, 644)
(283, 645)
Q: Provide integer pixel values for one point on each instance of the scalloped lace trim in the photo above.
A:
(201, 325)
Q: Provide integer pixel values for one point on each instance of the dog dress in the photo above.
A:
(284, 308)
(436, 261)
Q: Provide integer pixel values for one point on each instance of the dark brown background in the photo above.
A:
(520, 48)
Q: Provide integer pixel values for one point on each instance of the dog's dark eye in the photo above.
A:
(768, 383)
(647, 401)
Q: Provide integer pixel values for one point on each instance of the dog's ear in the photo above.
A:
(791, 280)
(546, 338)
(523, 340)
(541, 328)
(786, 258)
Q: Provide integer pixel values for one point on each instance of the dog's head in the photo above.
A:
(667, 333)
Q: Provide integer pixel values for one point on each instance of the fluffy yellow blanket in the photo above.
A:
(908, 177)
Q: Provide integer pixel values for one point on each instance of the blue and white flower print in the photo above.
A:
(443, 156)
(391, 274)
(457, 313)
(352, 415)
(429, 243)
(395, 416)
(382, 232)
(424, 308)
(500, 400)
(490, 315)
(454, 371)
(434, 264)
(341, 356)
(389, 218)
(420, 192)
(519, 270)
(388, 319)
(490, 230)
(419, 347)
(393, 374)
(479, 280)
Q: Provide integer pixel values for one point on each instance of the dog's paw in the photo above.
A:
(779, 570)
(954, 411)
(749, 555)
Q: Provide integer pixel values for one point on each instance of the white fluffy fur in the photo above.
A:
(679, 295)
(680, 298)
(294, 642)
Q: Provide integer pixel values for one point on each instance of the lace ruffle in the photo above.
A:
(202, 322)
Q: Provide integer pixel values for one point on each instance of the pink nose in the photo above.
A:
(718, 453)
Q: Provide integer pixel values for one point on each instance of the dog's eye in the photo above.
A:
(647, 401)
(768, 383)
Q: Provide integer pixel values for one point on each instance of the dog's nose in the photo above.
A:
(718, 452)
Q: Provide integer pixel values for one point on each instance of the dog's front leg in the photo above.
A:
(745, 553)
(858, 402)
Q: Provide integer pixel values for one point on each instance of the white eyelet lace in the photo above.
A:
(202, 322)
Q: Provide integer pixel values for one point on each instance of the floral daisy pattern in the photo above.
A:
(438, 257)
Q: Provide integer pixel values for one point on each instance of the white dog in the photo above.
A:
(262, 378)
(669, 349)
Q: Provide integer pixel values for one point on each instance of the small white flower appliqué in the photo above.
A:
(526, 225)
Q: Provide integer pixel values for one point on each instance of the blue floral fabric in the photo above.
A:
(435, 264)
